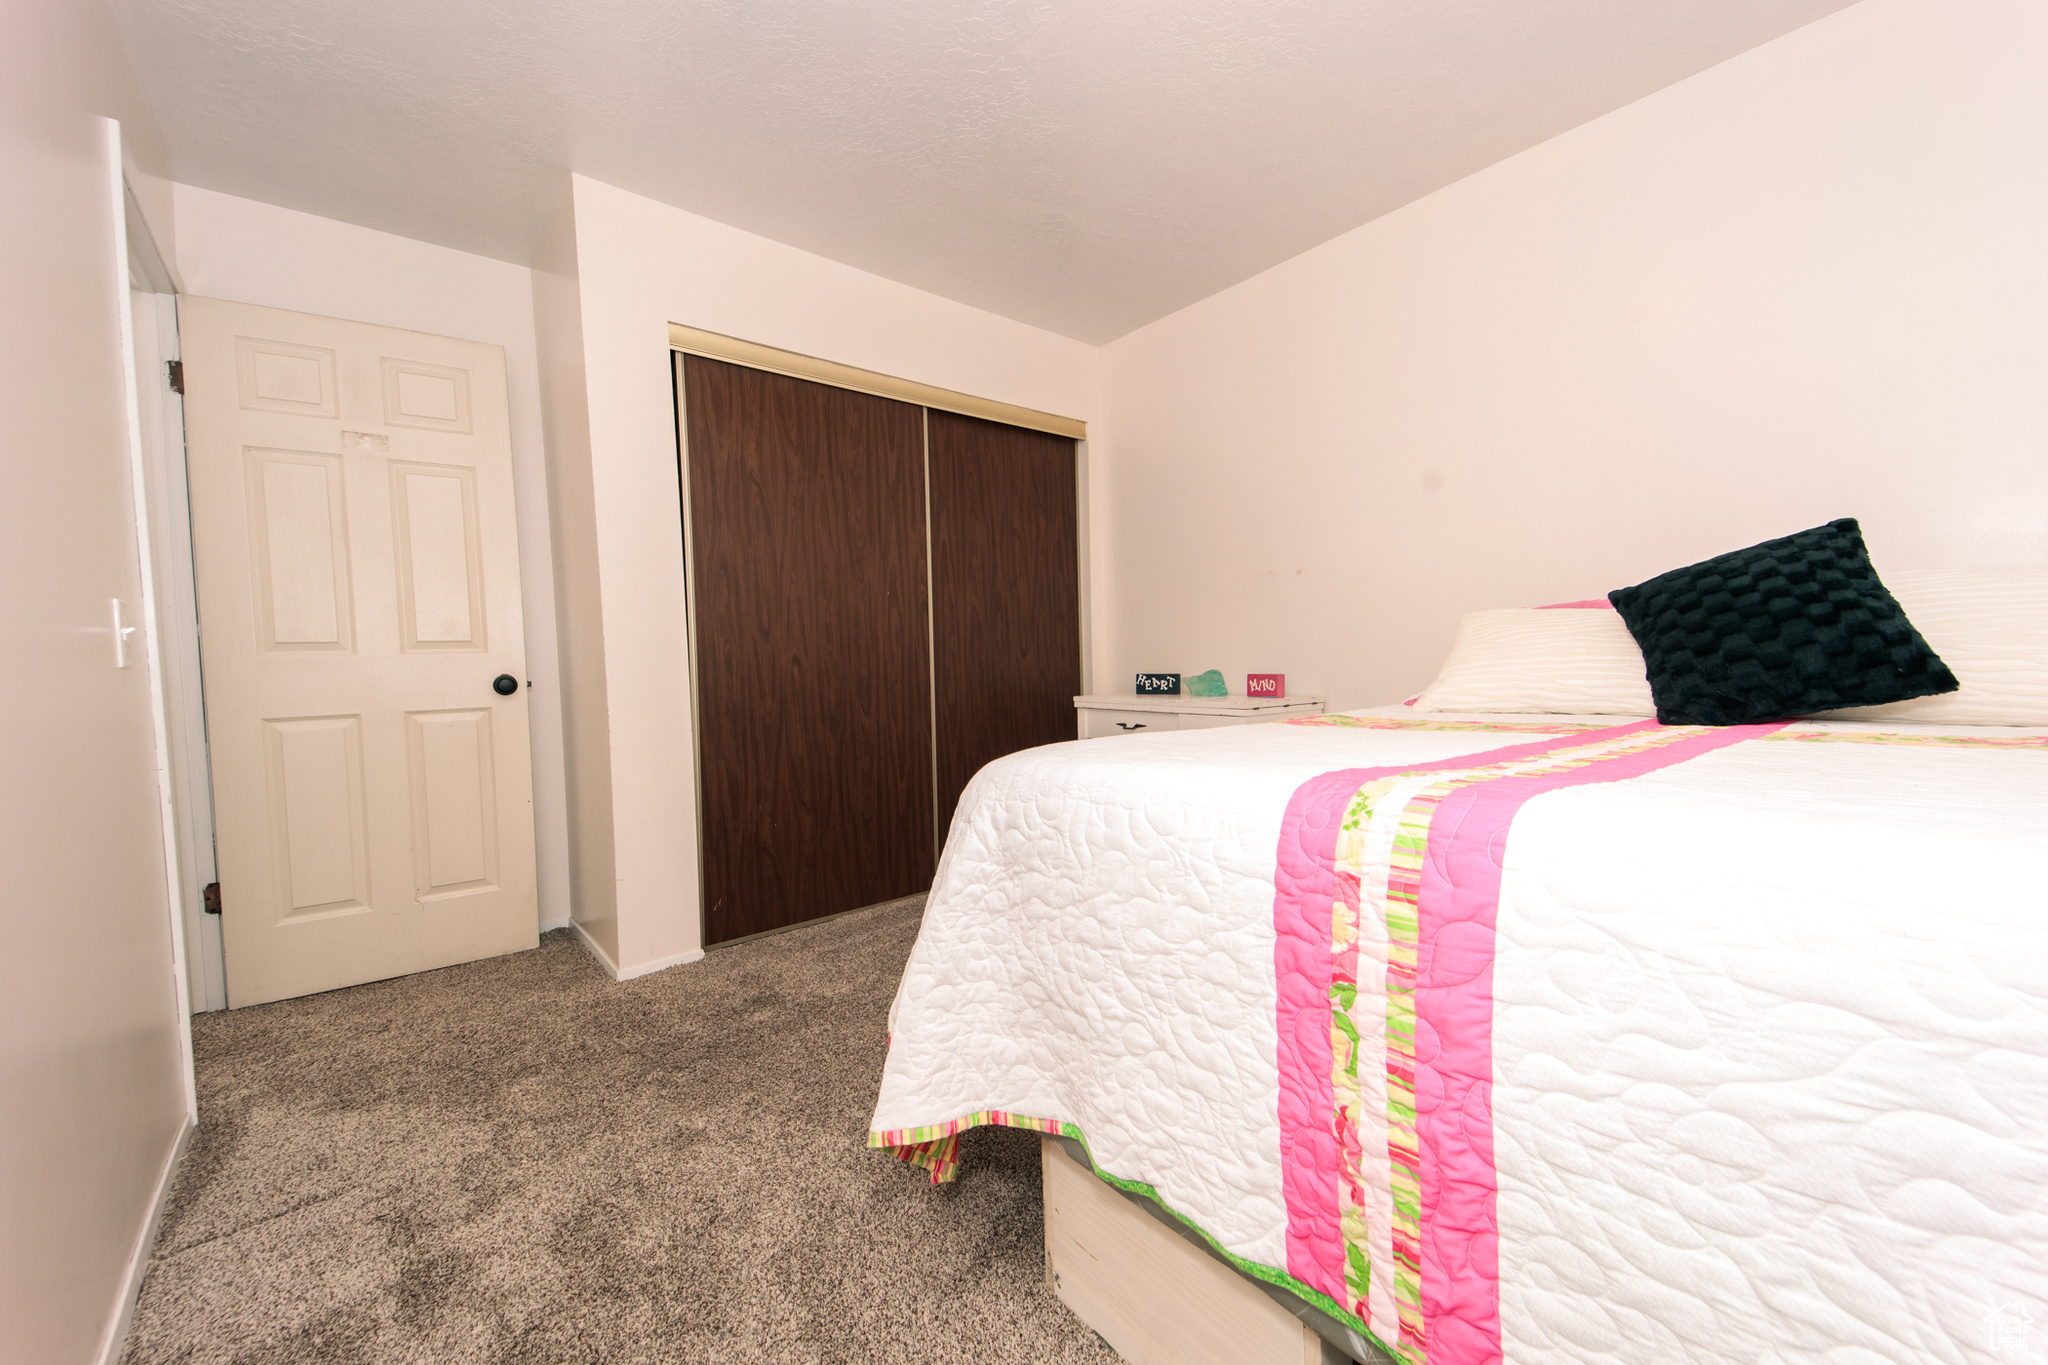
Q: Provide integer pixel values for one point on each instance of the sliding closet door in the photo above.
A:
(1006, 598)
(807, 544)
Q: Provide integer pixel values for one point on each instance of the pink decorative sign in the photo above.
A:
(1265, 684)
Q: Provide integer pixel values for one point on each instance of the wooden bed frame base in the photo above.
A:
(1155, 1294)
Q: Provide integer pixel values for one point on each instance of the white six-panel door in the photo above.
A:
(358, 580)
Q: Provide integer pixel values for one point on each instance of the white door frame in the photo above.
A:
(165, 532)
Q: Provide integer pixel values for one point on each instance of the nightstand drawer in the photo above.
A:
(1263, 716)
(1096, 724)
(1189, 721)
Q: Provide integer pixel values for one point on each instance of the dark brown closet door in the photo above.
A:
(1006, 595)
(813, 701)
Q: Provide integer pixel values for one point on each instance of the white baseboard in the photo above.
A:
(116, 1340)
(611, 968)
(661, 964)
(548, 926)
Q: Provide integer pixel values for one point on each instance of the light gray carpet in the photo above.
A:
(520, 1161)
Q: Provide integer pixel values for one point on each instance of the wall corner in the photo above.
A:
(579, 597)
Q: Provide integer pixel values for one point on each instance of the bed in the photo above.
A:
(1567, 1038)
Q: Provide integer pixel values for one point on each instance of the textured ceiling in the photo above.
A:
(1084, 165)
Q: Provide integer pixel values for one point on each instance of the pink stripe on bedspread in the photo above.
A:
(1306, 884)
(1454, 1038)
(1457, 903)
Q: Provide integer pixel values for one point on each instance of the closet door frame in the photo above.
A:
(753, 355)
(687, 341)
(682, 414)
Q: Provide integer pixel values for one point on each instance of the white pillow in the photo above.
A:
(1990, 626)
(1555, 660)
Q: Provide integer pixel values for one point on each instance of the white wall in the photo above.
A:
(246, 252)
(92, 1073)
(1808, 283)
(639, 266)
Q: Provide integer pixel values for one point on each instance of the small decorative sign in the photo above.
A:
(1159, 684)
(1265, 684)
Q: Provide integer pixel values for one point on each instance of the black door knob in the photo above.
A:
(504, 684)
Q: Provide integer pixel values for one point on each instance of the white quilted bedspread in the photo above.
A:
(1770, 1032)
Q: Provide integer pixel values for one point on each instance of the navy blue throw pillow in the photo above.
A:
(1786, 628)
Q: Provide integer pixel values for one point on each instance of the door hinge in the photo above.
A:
(212, 897)
(174, 371)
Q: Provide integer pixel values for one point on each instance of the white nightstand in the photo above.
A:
(1134, 715)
